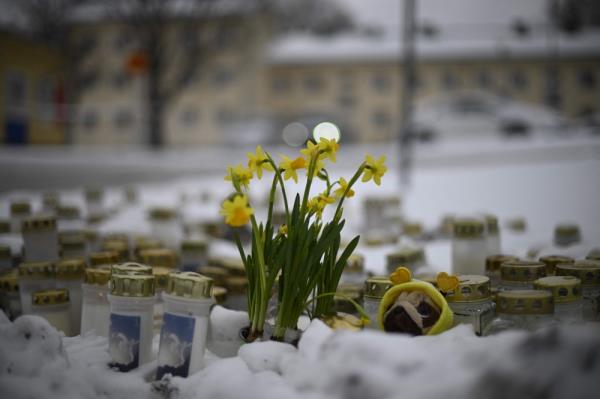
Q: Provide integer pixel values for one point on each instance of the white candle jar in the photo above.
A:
(131, 311)
(527, 310)
(160, 257)
(411, 258)
(492, 267)
(53, 305)
(94, 201)
(469, 247)
(166, 226)
(566, 290)
(375, 288)
(185, 324)
(34, 276)
(40, 238)
(493, 235)
(472, 302)
(73, 245)
(354, 272)
(19, 211)
(9, 294)
(161, 276)
(95, 310)
(588, 271)
(69, 218)
(520, 274)
(69, 275)
(193, 254)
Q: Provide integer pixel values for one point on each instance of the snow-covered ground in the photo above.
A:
(545, 181)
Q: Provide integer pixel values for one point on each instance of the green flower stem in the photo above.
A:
(309, 178)
(280, 179)
(357, 174)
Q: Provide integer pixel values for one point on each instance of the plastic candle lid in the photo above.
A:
(103, 258)
(132, 285)
(189, 285)
(563, 288)
(98, 276)
(471, 288)
(522, 270)
(50, 297)
(39, 223)
(9, 282)
(37, 270)
(131, 268)
(468, 228)
(159, 257)
(525, 302)
(71, 269)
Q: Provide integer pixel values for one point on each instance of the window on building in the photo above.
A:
(88, 80)
(587, 79)
(123, 119)
(483, 79)
(449, 80)
(89, 120)
(225, 116)
(122, 40)
(189, 116)
(381, 119)
(223, 76)
(120, 79)
(313, 83)
(347, 101)
(15, 93)
(518, 80)
(346, 80)
(381, 82)
(45, 99)
(281, 84)
(225, 37)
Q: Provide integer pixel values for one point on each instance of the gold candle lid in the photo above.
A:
(233, 265)
(522, 270)
(468, 228)
(132, 285)
(103, 258)
(563, 288)
(565, 234)
(39, 223)
(355, 264)
(377, 286)
(161, 275)
(131, 268)
(412, 229)
(588, 271)
(404, 257)
(4, 226)
(97, 276)
(525, 302)
(471, 288)
(194, 244)
(119, 247)
(20, 208)
(37, 270)
(50, 297)
(9, 281)
(123, 237)
(552, 260)
(491, 222)
(517, 224)
(189, 285)
(162, 213)
(93, 193)
(69, 212)
(217, 273)
(219, 294)
(70, 269)
(159, 257)
(236, 285)
(493, 263)
(594, 254)
(72, 238)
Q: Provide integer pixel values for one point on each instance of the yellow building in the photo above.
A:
(32, 100)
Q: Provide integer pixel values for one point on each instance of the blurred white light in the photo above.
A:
(295, 134)
(326, 130)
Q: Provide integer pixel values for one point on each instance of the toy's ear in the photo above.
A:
(447, 283)
(400, 275)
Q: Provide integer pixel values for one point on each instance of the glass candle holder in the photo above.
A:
(588, 271)
(522, 310)
(472, 302)
(95, 310)
(566, 290)
(469, 247)
(375, 289)
(520, 274)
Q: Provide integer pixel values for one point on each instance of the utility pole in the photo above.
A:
(407, 71)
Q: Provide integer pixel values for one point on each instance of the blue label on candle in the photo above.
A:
(175, 351)
(124, 341)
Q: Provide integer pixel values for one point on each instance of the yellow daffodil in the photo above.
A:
(239, 174)
(374, 169)
(318, 166)
(328, 148)
(290, 166)
(283, 230)
(318, 203)
(343, 185)
(258, 161)
(237, 212)
(311, 150)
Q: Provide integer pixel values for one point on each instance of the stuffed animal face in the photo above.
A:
(413, 312)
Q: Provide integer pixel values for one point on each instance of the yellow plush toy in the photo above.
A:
(415, 307)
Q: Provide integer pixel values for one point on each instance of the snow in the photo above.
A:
(37, 361)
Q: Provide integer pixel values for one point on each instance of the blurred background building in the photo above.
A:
(201, 72)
